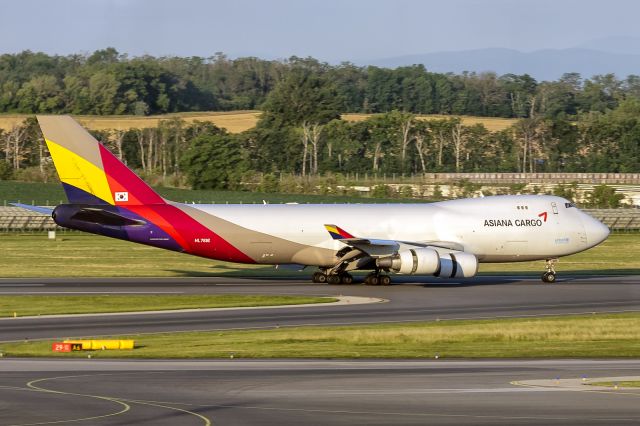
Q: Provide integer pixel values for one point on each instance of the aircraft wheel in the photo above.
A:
(319, 277)
(549, 277)
(385, 280)
(372, 280)
(346, 279)
(333, 279)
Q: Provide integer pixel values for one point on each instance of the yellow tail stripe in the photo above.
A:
(75, 170)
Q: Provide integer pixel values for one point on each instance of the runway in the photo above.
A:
(410, 300)
(288, 392)
(310, 392)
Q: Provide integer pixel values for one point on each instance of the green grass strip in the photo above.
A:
(48, 305)
(592, 336)
(84, 255)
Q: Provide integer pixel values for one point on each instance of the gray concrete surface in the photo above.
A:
(316, 392)
(310, 392)
(483, 297)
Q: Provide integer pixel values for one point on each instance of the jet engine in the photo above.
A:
(428, 261)
(457, 265)
(413, 261)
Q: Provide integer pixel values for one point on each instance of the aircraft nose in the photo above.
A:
(596, 231)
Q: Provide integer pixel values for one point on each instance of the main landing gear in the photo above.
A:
(374, 278)
(550, 275)
(321, 278)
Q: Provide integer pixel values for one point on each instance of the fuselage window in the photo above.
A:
(569, 205)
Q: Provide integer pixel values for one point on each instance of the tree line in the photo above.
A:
(107, 82)
(300, 132)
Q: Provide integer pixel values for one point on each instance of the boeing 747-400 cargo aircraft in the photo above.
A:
(445, 239)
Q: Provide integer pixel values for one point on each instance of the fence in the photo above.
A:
(617, 219)
(15, 219)
(519, 178)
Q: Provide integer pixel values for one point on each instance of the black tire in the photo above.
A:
(549, 277)
(373, 280)
(333, 279)
(346, 279)
(385, 280)
(322, 278)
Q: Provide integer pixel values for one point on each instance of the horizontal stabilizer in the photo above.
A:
(42, 210)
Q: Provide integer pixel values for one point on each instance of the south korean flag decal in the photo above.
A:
(121, 197)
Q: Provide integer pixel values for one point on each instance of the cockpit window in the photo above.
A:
(568, 205)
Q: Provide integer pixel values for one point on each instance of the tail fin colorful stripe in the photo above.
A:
(337, 233)
(89, 173)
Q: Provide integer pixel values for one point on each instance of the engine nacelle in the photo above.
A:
(412, 261)
(457, 265)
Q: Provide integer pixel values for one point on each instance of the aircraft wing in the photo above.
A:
(374, 248)
(37, 209)
(378, 248)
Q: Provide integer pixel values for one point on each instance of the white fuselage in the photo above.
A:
(495, 229)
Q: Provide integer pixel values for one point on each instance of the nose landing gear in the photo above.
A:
(550, 275)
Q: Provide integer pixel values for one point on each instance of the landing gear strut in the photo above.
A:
(550, 275)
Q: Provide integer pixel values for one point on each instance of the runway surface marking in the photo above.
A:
(32, 385)
(126, 403)
(584, 384)
(122, 401)
(405, 414)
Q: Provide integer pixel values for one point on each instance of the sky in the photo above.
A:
(330, 30)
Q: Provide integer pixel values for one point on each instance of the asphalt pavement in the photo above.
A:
(311, 392)
(316, 392)
(410, 300)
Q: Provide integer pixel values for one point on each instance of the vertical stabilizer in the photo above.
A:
(89, 173)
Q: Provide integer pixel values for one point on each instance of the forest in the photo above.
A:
(569, 125)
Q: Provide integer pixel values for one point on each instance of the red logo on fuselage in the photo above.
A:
(543, 215)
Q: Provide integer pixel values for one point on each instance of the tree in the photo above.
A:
(604, 197)
(303, 96)
(214, 161)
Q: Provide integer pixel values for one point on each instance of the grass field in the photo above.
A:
(52, 194)
(613, 335)
(82, 255)
(25, 305)
(233, 121)
(493, 124)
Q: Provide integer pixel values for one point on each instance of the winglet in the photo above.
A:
(337, 233)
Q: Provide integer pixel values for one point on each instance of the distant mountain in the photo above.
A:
(616, 44)
(548, 64)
